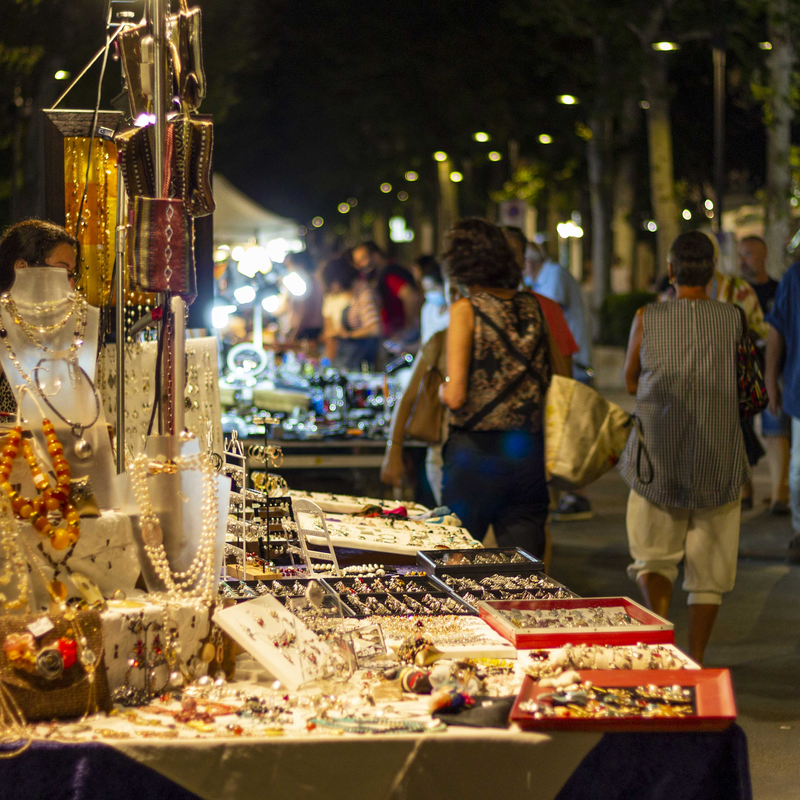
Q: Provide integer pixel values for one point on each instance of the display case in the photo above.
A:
(708, 692)
(474, 587)
(530, 624)
(482, 560)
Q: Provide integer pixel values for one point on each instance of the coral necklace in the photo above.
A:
(56, 499)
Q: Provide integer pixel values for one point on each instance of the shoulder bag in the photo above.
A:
(753, 397)
(425, 421)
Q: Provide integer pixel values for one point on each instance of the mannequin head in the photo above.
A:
(35, 243)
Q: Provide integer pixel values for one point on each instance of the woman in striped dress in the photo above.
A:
(681, 365)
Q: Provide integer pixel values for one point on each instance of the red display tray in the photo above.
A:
(714, 702)
(653, 630)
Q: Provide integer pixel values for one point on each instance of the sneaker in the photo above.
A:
(779, 509)
(794, 550)
(573, 507)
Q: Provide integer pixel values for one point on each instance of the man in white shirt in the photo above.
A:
(554, 281)
(550, 279)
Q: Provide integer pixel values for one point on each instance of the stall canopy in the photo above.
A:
(239, 220)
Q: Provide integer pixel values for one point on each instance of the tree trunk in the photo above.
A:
(780, 62)
(659, 137)
(599, 158)
(624, 191)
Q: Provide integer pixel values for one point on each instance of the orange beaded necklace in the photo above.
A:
(36, 510)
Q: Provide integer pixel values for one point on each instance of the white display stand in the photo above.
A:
(41, 285)
(260, 626)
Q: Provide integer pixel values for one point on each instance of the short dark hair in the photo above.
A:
(31, 240)
(692, 259)
(478, 253)
(372, 248)
(429, 268)
(341, 271)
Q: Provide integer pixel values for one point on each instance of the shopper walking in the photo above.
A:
(499, 369)
(681, 365)
(783, 358)
(775, 430)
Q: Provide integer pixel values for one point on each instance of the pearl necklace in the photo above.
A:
(195, 584)
(15, 566)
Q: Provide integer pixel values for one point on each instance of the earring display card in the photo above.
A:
(278, 640)
(532, 624)
(634, 700)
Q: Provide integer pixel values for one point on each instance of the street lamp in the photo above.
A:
(665, 47)
(480, 136)
(568, 100)
(456, 177)
(545, 138)
(440, 155)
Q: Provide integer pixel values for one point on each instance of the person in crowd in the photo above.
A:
(776, 431)
(351, 319)
(737, 291)
(399, 299)
(433, 353)
(556, 321)
(499, 368)
(435, 312)
(548, 278)
(305, 311)
(783, 360)
(681, 365)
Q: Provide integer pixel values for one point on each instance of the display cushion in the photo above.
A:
(70, 695)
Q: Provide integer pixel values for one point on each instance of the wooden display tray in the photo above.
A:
(653, 630)
(714, 702)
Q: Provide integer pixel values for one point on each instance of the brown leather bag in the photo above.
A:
(425, 420)
(47, 688)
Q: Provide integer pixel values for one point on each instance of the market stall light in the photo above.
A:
(456, 177)
(398, 232)
(495, 156)
(220, 315)
(277, 249)
(411, 176)
(343, 208)
(569, 230)
(440, 155)
(317, 222)
(294, 284)
(237, 253)
(352, 202)
(709, 204)
(144, 119)
(665, 47)
(222, 253)
(686, 214)
(481, 136)
(765, 45)
(567, 100)
(245, 295)
(62, 75)
(651, 225)
(386, 188)
(545, 138)
(402, 196)
(271, 304)
(253, 261)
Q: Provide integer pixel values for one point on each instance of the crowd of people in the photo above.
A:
(496, 318)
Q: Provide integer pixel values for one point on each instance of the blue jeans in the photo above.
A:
(794, 475)
(497, 478)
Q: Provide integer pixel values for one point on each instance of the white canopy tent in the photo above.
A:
(238, 220)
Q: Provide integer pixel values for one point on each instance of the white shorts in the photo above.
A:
(660, 536)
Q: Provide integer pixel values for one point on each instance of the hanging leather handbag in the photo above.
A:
(752, 388)
(185, 35)
(425, 420)
(52, 665)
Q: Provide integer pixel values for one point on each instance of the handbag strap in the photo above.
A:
(641, 453)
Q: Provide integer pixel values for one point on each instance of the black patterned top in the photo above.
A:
(7, 401)
(510, 368)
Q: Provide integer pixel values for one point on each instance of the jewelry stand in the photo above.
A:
(34, 288)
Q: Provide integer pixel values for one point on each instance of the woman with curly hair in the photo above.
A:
(499, 368)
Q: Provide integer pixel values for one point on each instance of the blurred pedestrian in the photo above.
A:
(305, 299)
(681, 365)
(435, 312)
(776, 431)
(394, 286)
(783, 360)
(548, 278)
(498, 372)
(351, 319)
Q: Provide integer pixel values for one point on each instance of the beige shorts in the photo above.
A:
(660, 536)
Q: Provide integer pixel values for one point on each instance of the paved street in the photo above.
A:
(756, 634)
